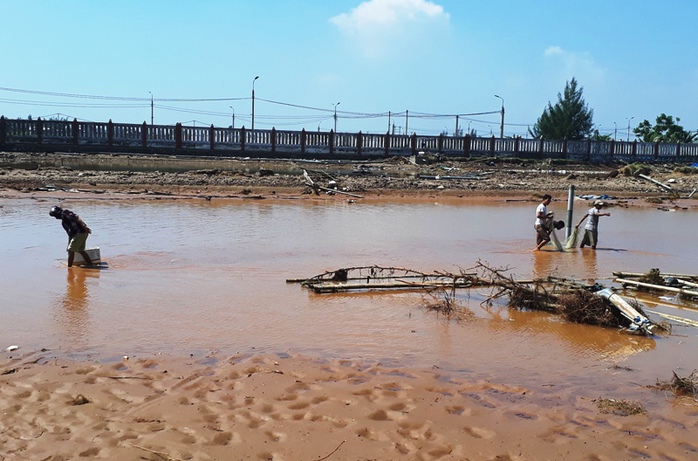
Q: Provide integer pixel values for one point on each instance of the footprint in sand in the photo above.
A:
(479, 432)
(276, 436)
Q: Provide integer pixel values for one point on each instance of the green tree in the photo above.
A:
(569, 118)
(664, 130)
(596, 136)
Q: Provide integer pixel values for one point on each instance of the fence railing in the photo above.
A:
(51, 135)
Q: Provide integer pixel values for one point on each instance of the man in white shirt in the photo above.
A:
(543, 224)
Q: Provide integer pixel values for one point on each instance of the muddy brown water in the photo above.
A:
(196, 277)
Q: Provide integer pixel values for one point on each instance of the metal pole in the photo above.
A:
(389, 113)
(407, 120)
(629, 127)
(455, 133)
(151, 108)
(253, 80)
(501, 126)
(335, 116)
(233, 125)
(570, 209)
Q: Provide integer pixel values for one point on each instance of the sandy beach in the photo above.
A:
(265, 406)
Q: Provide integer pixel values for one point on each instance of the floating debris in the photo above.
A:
(577, 302)
(620, 407)
(687, 386)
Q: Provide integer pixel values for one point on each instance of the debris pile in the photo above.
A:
(576, 301)
(679, 386)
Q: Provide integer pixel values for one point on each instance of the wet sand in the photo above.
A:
(268, 407)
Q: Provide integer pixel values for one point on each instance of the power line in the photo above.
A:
(117, 98)
(288, 119)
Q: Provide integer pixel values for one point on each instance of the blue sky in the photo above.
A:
(422, 62)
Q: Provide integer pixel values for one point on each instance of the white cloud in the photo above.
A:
(579, 65)
(376, 25)
(553, 50)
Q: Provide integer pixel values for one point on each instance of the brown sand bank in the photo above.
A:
(22, 173)
(295, 408)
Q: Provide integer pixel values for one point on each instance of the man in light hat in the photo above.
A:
(77, 232)
(591, 228)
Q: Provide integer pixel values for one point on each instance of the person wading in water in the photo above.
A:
(77, 232)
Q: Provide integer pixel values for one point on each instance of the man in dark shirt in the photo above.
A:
(77, 232)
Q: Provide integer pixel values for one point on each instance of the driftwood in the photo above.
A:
(363, 278)
(316, 187)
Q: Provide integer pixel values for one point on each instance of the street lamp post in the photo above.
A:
(629, 127)
(233, 125)
(335, 116)
(501, 127)
(151, 108)
(253, 80)
(615, 130)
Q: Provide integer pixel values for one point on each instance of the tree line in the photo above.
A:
(571, 118)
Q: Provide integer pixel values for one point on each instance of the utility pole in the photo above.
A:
(629, 127)
(335, 117)
(501, 127)
(253, 80)
(152, 106)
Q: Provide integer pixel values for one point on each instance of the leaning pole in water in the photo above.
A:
(570, 209)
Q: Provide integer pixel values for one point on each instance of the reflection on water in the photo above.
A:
(76, 295)
(72, 317)
(191, 276)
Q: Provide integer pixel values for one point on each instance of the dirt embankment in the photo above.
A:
(230, 177)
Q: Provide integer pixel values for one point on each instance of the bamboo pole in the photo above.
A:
(656, 303)
(687, 283)
(657, 287)
(661, 274)
(663, 186)
(690, 322)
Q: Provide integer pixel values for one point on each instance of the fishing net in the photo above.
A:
(572, 239)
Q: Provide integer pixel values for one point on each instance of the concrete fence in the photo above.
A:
(75, 136)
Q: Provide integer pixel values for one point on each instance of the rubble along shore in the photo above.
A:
(21, 173)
